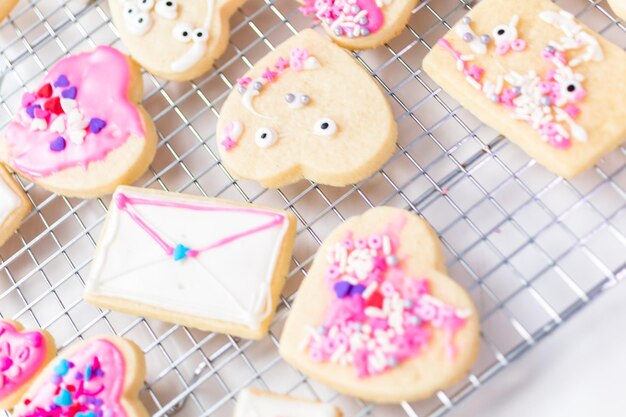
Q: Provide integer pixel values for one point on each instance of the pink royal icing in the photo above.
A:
(22, 354)
(89, 383)
(378, 315)
(79, 114)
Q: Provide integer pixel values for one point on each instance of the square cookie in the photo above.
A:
(14, 205)
(205, 263)
(533, 72)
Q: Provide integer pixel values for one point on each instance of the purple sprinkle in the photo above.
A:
(357, 289)
(342, 289)
(62, 81)
(56, 379)
(99, 372)
(468, 37)
(58, 145)
(78, 376)
(53, 406)
(98, 413)
(30, 110)
(98, 402)
(96, 125)
(69, 93)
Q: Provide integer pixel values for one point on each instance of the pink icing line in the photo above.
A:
(102, 79)
(125, 203)
(22, 354)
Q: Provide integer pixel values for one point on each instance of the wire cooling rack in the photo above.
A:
(532, 249)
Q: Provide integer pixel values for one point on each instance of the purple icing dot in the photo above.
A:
(357, 289)
(468, 37)
(69, 93)
(78, 376)
(98, 402)
(62, 81)
(98, 413)
(58, 145)
(96, 125)
(30, 110)
(342, 289)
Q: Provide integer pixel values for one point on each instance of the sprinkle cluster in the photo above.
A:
(75, 395)
(378, 316)
(54, 107)
(343, 17)
(549, 101)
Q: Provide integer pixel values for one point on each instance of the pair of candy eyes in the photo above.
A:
(265, 137)
(182, 32)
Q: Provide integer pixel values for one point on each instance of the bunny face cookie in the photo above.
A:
(83, 131)
(23, 354)
(174, 39)
(98, 377)
(306, 110)
(619, 7)
(536, 74)
(377, 317)
(360, 24)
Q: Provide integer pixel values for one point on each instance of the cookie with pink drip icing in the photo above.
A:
(23, 354)
(378, 317)
(360, 24)
(83, 131)
(99, 377)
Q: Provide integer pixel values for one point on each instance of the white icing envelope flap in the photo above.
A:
(203, 258)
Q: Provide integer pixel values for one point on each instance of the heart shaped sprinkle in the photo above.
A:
(30, 110)
(69, 93)
(58, 125)
(45, 91)
(64, 399)
(96, 125)
(41, 113)
(38, 124)
(58, 145)
(62, 81)
(180, 252)
(68, 104)
(28, 98)
(62, 368)
(53, 105)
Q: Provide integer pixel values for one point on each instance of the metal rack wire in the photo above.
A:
(532, 249)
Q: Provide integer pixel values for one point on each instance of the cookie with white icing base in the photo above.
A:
(377, 317)
(97, 377)
(539, 76)
(83, 131)
(619, 7)
(23, 355)
(360, 24)
(205, 263)
(256, 403)
(174, 39)
(14, 205)
(306, 110)
(5, 7)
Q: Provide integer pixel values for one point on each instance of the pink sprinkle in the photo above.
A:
(269, 75)
(572, 110)
(281, 64)
(228, 143)
(28, 98)
(559, 142)
(475, 72)
(297, 56)
(244, 81)
(375, 242)
(41, 113)
(518, 45)
(502, 48)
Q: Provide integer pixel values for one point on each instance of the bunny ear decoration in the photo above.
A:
(100, 377)
(23, 354)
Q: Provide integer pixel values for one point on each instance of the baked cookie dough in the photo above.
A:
(533, 72)
(306, 110)
(14, 206)
(377, 316)
(619, 7)
(257, 403)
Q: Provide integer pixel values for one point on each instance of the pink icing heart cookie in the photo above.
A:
(23, 354)
(83, 131)
(100, 377)
(377, 317)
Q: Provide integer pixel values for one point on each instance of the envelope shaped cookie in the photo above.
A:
(204, 263)
(14, 205)
(83, 132)
(174, 39)
(377, 317)
(257, 403)
(360, 24)
(23, 354)
(98, 377)
(533, 72)
(306, 110)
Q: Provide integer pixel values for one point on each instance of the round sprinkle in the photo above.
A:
(414, 320)
(242, 89)
(338, 31)
(363, 21)
(392, 260)
(468, 37)
(494, 98)
(365, 31)
(289, 98)
(517, 90)
(545, 101)
(304, 99)
(408, 303)
(485, 39)
(257, 85)
(392, 362)
(467, 20)
(550, 49)
(355, 9)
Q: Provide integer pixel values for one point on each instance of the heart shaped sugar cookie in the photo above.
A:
(377, 317)
(83, 131)
(360, 24)
(100, 377)
(306, 110)
(23, 354)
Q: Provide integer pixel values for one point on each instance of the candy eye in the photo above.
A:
(573, 90)
(297, 100)
(182, 32)
(504, 33)
(167, 9)
(325, 127)
(200, 35)
(145, 5)
(265, 137)
(138, 22)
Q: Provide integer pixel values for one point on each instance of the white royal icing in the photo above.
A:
(9, 201)
(250, 404)
(230, 283)
(574, 37)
